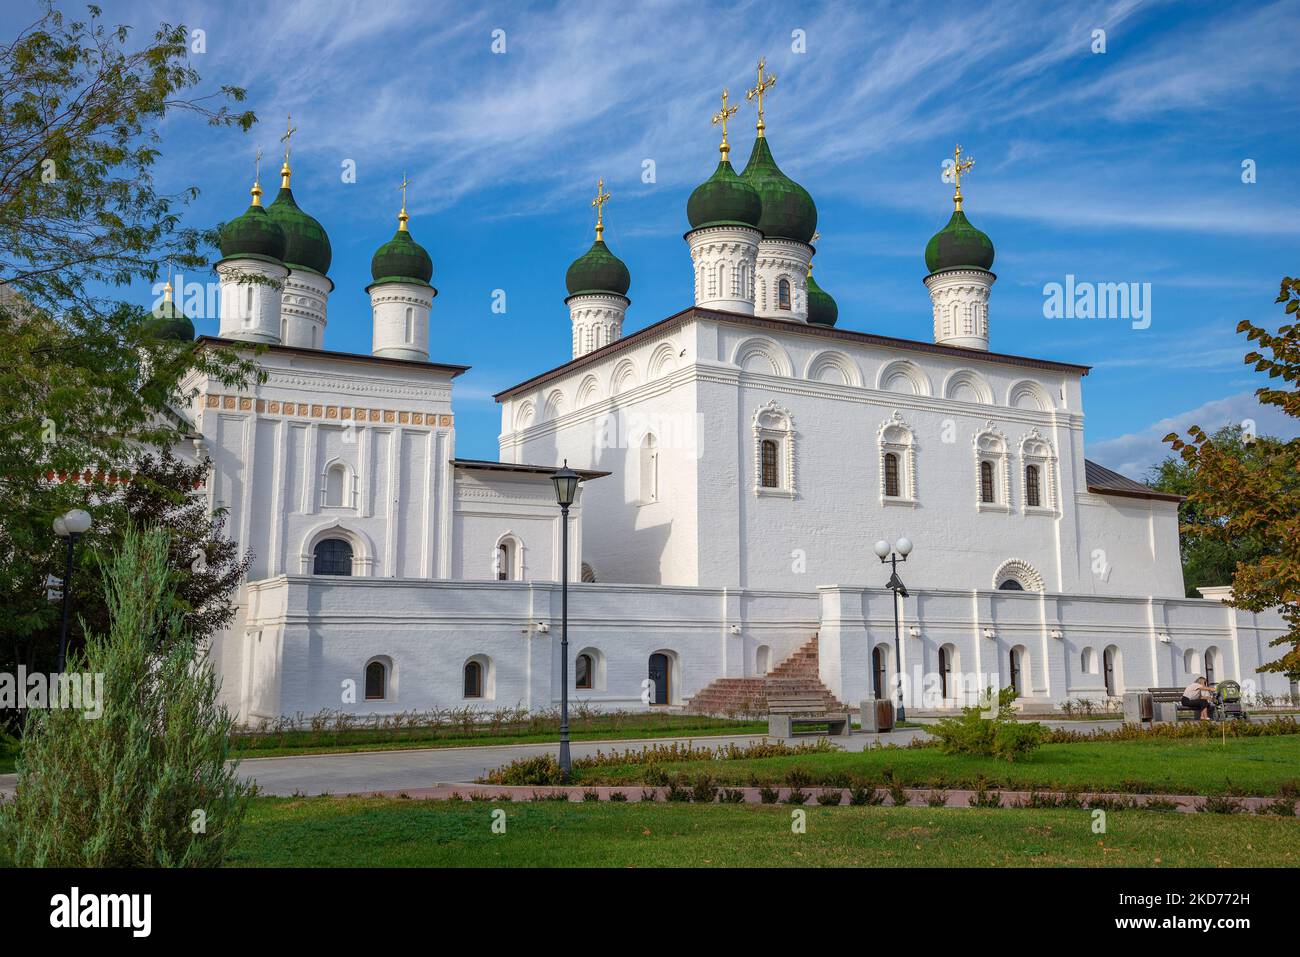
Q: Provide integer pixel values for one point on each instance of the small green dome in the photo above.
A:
(252, 234)
(959, 244)
(401, 259)
(306, 244)
(168, 321)
(724, 198)
(822, 310)
(598, 270)
(788, 211)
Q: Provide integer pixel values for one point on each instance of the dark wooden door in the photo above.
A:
(659, 677)
(878, 672)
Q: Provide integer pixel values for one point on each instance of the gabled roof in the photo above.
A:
(786, 326)
(1103, 481)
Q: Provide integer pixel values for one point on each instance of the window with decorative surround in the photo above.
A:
(774, 451)
(992, 476)
(1038, 460)
(897, 462)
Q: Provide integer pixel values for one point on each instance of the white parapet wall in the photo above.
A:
(306, 643)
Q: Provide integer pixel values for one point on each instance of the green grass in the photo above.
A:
(596, 728)
(359, 832)
(1260, 765)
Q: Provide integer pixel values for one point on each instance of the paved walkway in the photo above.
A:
(365, 771)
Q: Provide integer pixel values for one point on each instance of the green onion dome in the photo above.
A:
(598, 270)
(306, 244)
(822, 310)
(788, 210)
(253, 234)
(959, 244)
(401, 259)
(724, 199)
(168, 321)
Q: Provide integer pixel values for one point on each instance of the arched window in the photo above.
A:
(410, 324)
(583, 672)
(763, 660)
(506, 563)
(1011, 585)
(1088, 661)
(588, 573)
(1192, 661)
(338, 487)
(1212, 663)
(1015, 670)
(1033, 494)
(783, 295)
(332, 556)
(473, 679)
(986, 482)
(771, 475)
(376, 681)
(891, 474)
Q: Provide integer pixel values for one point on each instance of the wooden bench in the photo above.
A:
(786, 713)
(1162, 698)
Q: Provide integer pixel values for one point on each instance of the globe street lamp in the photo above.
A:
(566, 488)
(893, 555)
(70, 526)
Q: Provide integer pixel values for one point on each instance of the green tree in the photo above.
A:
(1255, 497)
(84, 384)
(1208, 557)
(147, 783)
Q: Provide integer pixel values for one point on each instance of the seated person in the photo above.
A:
(1197, 697)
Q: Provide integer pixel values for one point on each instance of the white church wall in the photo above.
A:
(640, 524)
(491, 510)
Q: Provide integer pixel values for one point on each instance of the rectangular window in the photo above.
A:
(1033, 494)
(770, 476)
(891, 474)
(986, 482)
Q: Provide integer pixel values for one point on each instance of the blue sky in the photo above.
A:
(1122, 166)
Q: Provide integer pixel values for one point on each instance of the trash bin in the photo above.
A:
(877, 714)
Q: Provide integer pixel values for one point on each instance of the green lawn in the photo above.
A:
(619, 727)
(355, 832)
(1260, 765)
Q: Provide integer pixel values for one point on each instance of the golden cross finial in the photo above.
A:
(257, 176)
(599, 202)
(813, 242)
(721, 117)
(757, 92)
(289, 130)
(167, 289)
(959, 167)
(402, 217)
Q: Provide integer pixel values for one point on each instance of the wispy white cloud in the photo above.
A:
(1135, 453)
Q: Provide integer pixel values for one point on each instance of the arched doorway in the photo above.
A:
(1015, 661)
(332, 556)
(1212, 665)
(945, 673)
(878, 672)
(659, 674)
(1108, 666)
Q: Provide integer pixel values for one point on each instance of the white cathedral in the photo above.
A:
(740, 459)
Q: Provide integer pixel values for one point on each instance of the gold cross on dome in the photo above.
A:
(757, 92)
(959, 167)
(402, 217)
(721, 117)
(599, 202)
(257, 178)
(289, 130)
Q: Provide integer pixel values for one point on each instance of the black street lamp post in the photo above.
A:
(70, 526)
(566, 488)
(892, 555)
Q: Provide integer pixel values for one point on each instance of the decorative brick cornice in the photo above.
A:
(276, 408)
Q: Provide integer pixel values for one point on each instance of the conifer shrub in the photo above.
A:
(147, 783)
